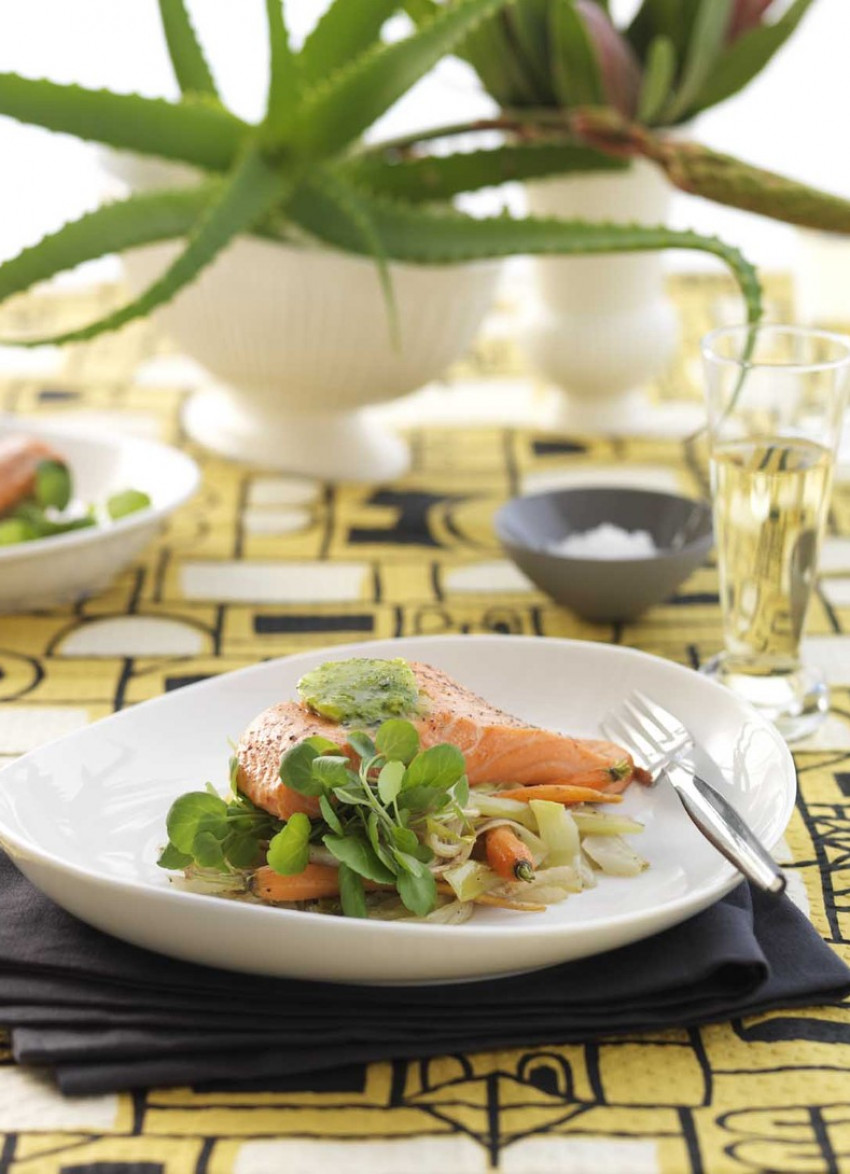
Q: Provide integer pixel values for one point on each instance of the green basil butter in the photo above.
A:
(361, 691)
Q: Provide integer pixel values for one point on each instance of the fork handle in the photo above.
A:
(720, 823)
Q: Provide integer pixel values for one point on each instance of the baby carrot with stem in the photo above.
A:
(507, 855)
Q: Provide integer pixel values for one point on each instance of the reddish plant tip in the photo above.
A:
(618, 63)
(746, 15)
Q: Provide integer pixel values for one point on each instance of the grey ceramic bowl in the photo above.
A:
(606, 589)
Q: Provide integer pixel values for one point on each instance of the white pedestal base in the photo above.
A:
(331, 446)
(623, 414)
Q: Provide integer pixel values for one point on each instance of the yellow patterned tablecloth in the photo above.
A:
(260, 565)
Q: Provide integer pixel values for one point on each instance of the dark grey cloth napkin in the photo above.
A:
(104, 1015)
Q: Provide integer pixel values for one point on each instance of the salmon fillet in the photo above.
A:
(20, 456)
(498, 747)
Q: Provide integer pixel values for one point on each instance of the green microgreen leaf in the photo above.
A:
(351, 893)
(173, 858)
(408, 862)
(329, 815)
(439, 766)
(397, 739)
(128, 501)
(289, 851)
(418, 891)
(192, 814)
(207, 850)
(419, 799)
(355, 796)
(322, 745)
(53, 484)
(233, 775)
(359, 855)
(296, 769)
(332, 770)
(389, 781)
(361, 744)
(405, 840)
(242, 849)
(373, 832)
(460, 791)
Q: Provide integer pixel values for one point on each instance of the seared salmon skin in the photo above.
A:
(498, 747)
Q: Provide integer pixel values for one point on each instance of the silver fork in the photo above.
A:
(660, 740)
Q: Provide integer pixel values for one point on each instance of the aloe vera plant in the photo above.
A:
(564, 65)
(304, 172)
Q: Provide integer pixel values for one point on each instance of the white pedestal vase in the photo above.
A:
(602, 327)
(298, 343)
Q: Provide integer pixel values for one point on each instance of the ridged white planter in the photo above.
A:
(602, 327)
(298, 343)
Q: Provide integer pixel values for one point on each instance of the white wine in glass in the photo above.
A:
(774, 419)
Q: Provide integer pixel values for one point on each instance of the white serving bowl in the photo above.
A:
(50, 571)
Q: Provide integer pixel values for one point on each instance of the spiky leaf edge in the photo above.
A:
(250, 192)
(193, 74)
(195, 132)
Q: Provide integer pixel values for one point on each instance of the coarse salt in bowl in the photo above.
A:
(606, 541)
(606, 553)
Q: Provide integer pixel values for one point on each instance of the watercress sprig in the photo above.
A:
(206, 831)
(376, 806)
(371, 811)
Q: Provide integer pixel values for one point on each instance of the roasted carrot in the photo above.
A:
(507, 855)
(565, 793)
(20, 457)
(317, 880)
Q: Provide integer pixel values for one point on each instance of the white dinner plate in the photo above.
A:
(84, 817)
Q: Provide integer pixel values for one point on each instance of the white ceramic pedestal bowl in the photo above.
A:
(298, 343)
(602, 327)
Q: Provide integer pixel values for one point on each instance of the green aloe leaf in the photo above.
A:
(140, 220)
(439, 177)
(421, 11)
(196, 132)
(727, 180)
(339, 110)
(658, 76)
(343, 32)
(250, 192)
(283, 73)
(351, 207)
(430, 237)
(493, 49)
(187, 57)
(658, 18)
(492, 53)
(705, 45)
(749, 54)
(575, 70)
(529, 21)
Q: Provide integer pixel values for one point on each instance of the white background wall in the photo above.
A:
(795, 118)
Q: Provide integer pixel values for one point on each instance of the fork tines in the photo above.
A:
(644, 726)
